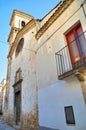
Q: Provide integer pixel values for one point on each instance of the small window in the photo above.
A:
(19, 46)
(23, 23)
(69, 115)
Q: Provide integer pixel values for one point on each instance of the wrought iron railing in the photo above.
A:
(63, 57)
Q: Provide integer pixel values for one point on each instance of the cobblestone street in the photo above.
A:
(4, 125)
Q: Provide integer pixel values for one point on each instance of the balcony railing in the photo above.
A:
(65, 65)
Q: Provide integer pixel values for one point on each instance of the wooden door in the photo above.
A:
(74, 44)
(17, 106)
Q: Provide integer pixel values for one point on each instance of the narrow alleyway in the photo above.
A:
(4, 125)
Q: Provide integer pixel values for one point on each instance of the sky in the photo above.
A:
(36, 8)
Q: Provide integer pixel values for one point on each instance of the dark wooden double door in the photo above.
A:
(17, 107)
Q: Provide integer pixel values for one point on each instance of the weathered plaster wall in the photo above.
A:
(54, 98)
(55, 94)
(39, 71)
(26, 61)
(53, 40)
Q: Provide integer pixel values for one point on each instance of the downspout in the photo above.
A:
(82, 5)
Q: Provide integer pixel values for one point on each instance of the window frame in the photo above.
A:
(69, 112)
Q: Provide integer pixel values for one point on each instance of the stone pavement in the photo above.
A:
(4, 125)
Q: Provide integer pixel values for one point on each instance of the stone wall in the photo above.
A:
(30, 121)
(0, 103)
(10, 119)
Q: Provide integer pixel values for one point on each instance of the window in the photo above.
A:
(76, 44)
(69, 115)
(19, 46)
(23, 23)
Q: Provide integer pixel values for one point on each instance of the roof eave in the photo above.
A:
(62, 6)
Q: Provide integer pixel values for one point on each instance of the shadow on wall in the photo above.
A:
(46, 128)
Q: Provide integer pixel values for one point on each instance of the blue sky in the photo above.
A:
(36, 8)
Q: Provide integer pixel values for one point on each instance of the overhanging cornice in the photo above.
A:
(63, 6)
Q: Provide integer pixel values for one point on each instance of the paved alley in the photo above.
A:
(4, 125)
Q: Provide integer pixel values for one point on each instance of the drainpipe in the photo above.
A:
(83, 8)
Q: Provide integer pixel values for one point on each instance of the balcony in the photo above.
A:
(71, 59)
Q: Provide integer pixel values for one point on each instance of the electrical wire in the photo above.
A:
(3, 42)
(22, 48)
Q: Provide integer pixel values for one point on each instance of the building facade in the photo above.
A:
(3, 98)
(47, 68)
(0, 100)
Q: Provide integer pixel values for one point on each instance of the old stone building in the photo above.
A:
(0, 100)
(3, 98)
(47, 68)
